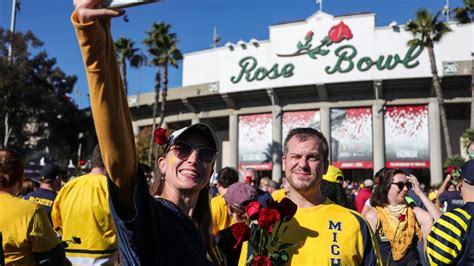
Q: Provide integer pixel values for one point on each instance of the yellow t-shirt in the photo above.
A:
(278, 195)
(82, 210)
(26, 229)
(220, 216)
(329, 235)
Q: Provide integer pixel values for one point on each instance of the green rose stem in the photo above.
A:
(394, 236)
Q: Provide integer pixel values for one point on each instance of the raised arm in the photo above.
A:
(433, 211)
(108, 101)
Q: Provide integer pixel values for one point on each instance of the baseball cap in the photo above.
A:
(239, 193)
(334, 175)
(50, 172)
(198, 128)
(368, 183)
(467, 172)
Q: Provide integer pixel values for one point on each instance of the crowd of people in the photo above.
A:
(112, 215)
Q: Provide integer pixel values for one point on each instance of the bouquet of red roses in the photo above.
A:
(263, 232)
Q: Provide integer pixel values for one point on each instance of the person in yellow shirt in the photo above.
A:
(27, 235)
(220, 216)
(328, 234)
(81, 211)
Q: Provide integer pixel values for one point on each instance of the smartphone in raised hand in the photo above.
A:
(118, 4)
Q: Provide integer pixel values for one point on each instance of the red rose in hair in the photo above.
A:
(241, 232)
(267, 217)
(261, 261)
(287, 209)
(82, 162)
(160, 136)
(253, 209)
(339, 32)
(402, 217)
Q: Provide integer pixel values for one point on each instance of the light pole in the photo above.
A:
(15, 7)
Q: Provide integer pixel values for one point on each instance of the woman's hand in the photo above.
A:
(88, 10)
(415, 184)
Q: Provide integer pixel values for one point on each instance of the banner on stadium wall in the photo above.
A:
(255, 141)
(406, 137)
(296, 119)
(351, 137)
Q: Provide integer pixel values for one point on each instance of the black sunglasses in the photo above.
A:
(182, 150)
(401, 184)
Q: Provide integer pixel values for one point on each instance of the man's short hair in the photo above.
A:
(227, 176)
(305, 133)
(96, 160)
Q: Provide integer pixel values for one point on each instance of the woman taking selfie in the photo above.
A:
(174, 228)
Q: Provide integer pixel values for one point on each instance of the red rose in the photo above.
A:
(248, 179)
(339, 32)
(450, 169)
(287, 209)
(309, 35)
(82, 162)
(253, 209)
(402, 217)
(160, 136)
(261, 261)
(267, 217)
(241, 232)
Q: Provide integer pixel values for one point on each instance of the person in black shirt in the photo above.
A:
(50, 179)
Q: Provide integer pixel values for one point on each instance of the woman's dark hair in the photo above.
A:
(12, 166)
(335, 192)
(380, 196)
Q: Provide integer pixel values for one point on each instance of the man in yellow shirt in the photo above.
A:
(27, 235)
(220, 216)
(328, 234)
(81, 212)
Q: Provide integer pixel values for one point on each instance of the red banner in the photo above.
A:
(353, 165)
(406, 136)
(410, 164)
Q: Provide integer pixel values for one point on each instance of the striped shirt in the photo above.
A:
(450, 238)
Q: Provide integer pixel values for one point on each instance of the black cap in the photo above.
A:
(50, 172)
(467, 172)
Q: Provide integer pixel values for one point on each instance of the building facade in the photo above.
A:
(362, 86)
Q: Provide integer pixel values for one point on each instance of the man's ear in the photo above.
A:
(283, 162)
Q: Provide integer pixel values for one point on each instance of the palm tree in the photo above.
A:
(464, 15)
(126, 52)
(428, 30)
(162, 46)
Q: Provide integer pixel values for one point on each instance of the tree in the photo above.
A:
(126, 52)
(37, 114)
(428, 30)
(464, 15)
(163, 50)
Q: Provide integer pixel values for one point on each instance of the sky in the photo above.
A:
(193, 21)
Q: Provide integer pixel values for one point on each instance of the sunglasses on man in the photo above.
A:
(182, 150)
(401, 185)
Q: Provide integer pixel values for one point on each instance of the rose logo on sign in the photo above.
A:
(336, 34)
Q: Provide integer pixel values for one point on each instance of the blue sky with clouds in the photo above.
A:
(193, 22)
